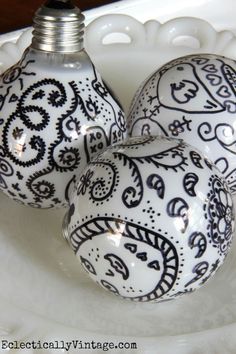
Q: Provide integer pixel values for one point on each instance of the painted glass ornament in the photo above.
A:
(192, 98)
(55, 111)
(151, 219)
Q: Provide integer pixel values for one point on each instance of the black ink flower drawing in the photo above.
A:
(85, 181)
(219, 212)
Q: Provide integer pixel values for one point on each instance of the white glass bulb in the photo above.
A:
(55, 111)
(151, 219)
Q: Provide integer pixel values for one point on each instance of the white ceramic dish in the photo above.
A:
(43, 295)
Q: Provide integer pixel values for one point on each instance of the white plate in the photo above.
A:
(44, 295)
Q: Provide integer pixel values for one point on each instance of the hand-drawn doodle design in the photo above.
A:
(184, 93)
(156, 182)
(144, 215)
(192, 98)
(178, 208)
(190, 181)
(5, 169)
(199, 270)
(51, 128)
(198, 240)
(87, 236)
(219, 214)
(102, 188)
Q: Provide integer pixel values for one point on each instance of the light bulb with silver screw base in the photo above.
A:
(56, 112)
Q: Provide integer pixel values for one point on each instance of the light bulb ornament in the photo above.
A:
(160, 226)
(56, 112)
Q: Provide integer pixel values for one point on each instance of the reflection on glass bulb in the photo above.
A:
(115, 236)
(58, 117)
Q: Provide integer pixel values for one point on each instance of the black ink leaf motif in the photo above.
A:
(215, 266)
(133, 194)
(38, 95)
(190, 182)
(118, 265)
(178, 208)
(109, 286)
(56, 201)
(16, 186)
(196, 159)
(131, 247)
(213, 269)
(19, 175)
(87, 265)
(198, 240)
(11, 74)
(1, 121)
(142, 256)
(200, 270)
(154, 265)
(155, 181)
(110, 273)
(13, 98)
(224, 92)
(214, 79)
(210, 68)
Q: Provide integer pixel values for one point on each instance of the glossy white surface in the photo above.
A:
(139, 236)
(192, 98)
(45, 294)
(56, 114)
(63, 303)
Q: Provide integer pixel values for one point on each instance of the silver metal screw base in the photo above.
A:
(58, 27)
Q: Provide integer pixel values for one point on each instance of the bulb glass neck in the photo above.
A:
(58, 27)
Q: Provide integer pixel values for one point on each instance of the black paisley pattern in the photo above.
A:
(50, 130)
(152, 217)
